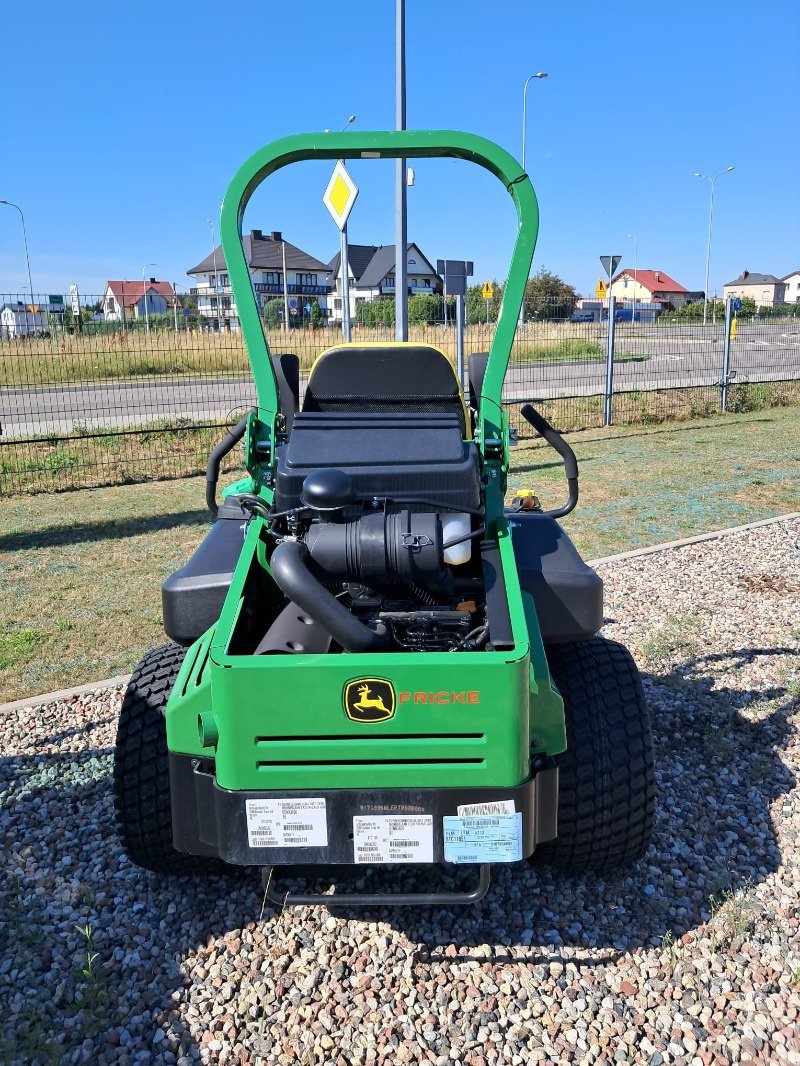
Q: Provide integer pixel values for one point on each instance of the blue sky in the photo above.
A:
(124, 123)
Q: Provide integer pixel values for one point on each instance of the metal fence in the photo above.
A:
(97, 403)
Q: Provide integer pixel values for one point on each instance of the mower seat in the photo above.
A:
(390, 378)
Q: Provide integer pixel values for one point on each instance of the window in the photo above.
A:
(307, 279)
(223, 279)
(427, 283)
(390, 281)
(213, 302)
(111, 307)
(272, 278)
(337, 305)
(226, 303)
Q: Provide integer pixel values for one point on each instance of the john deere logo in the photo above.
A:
(369, 699)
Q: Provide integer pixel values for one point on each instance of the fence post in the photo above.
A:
(612, 303)
(726, 356)
(460, 340)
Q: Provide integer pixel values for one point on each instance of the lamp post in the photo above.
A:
(539, 75)
(633, 237)
(144, 297)
(711, 182)
(400, 178)
(8, 203)
(210, 221)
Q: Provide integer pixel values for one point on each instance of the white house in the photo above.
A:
(792, 283)
(372, 275)
(126, 299)
(265, 256)
(21, 320)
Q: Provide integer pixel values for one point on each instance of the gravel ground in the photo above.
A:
(692, 957)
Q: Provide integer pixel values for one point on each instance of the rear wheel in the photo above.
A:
(606, 776)
(141, 769)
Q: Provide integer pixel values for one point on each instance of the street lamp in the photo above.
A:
(633, 237)
(210, 221)
(8, 203)
(144, 296)
(540, 74)
(711, 181)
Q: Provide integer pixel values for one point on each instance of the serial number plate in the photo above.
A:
(393, 838)
(287, 823)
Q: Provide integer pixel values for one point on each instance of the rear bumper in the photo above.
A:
(209, 820)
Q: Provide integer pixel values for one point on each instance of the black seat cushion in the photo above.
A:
(391, 378)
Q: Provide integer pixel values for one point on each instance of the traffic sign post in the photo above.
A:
(488, 293)
(75, 301)
(455, 273)
(339, 198)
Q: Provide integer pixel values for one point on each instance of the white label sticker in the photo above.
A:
(287, 823)
(393, 838)
(466, 810)
(483, 838)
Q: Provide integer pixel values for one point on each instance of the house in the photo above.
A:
(265, 257)
(21, 320)
(372, 275)
(791, 293)
(126, 299)
(651, 286)
(765, 289)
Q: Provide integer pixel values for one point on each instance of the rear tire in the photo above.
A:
(606, 776)
(141, 770)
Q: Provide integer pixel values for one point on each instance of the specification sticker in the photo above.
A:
(465, 810)
(287, 823)
(483, 838)
(393, 838)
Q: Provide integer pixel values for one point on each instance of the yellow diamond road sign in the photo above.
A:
(340, 195)
(488, 291)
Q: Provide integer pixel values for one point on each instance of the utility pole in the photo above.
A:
(401, 205)
(285, 287)
(711, 182)
(8, 203)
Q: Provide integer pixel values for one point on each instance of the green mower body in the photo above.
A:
(359, 685)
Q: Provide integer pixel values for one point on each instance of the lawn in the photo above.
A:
(81, 571)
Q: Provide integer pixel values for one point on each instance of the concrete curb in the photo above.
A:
(65, 693)
(728, 531)
(122, 679)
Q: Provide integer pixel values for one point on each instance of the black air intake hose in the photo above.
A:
(289, 565)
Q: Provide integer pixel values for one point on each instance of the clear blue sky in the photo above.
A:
(123, 123)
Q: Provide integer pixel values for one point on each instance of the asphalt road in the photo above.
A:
(676, 359)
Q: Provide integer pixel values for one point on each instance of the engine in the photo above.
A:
(378, 548)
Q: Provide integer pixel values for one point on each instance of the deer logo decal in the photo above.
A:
(369, 699)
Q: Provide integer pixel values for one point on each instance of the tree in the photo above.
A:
(273, 313)
(548, 297)
(316, 318)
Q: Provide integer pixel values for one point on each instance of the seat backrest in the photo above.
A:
(385, 377)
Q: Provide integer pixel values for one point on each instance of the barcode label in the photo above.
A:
(287, 823)
(386, 838)
(467, 810)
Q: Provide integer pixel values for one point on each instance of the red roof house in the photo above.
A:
(126, 298)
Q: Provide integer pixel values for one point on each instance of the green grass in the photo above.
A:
(82, 571)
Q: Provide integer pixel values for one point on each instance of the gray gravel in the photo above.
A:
(693, 957)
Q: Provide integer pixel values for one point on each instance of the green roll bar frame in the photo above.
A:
(401, 144)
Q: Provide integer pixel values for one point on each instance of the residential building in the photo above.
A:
(791, 293)
(372, 275)
(651, 286)
(123, 300)
(21, 320)
(265, 256)
(765, 289)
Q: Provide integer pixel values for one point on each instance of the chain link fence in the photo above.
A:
(87, 402)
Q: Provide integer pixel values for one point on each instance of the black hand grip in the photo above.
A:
(557, 442)
(232, 437)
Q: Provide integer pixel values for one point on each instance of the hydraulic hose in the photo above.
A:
(556, 441)
(289, 566)
(231, 438)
